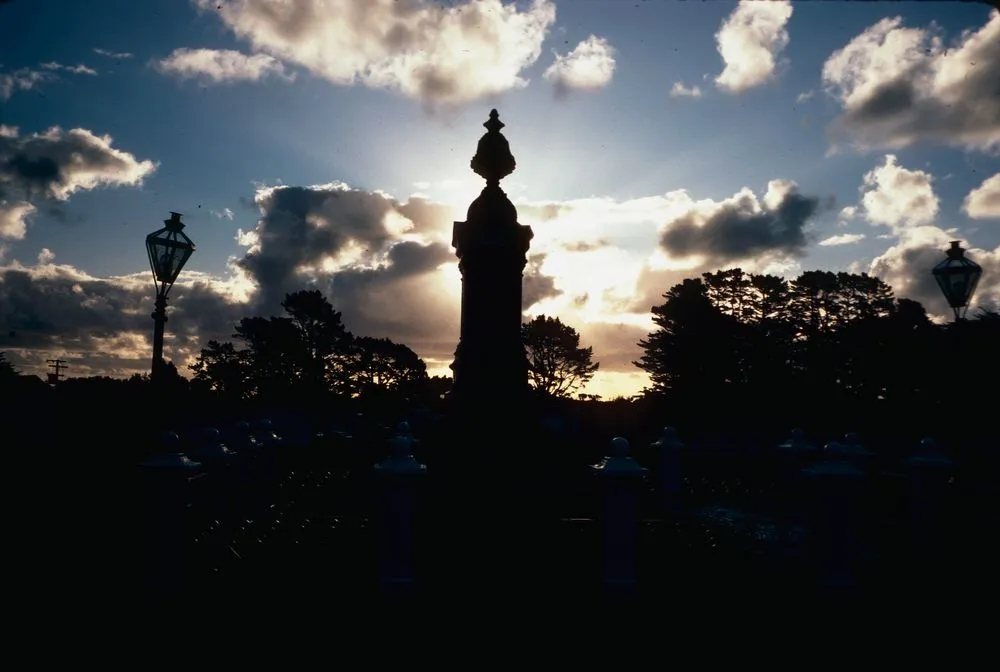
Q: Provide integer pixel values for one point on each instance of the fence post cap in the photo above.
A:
(178, 461)
(668, 439)
(400, 460)
(930, 454)
(169, 441)
(796, 441)
(850, 447)
(618, 462)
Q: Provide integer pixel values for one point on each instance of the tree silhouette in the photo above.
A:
(557, 365)
(306, 356)
(7, 370)
(760, 346)
(379, 365)
(222, 369)
(690, 354)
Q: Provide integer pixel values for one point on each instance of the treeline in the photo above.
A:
(308, 357)
(826, 350)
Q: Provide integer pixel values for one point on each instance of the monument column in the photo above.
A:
(490, 367)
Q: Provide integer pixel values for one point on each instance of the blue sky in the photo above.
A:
(608, 132)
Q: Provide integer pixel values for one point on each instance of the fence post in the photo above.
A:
(399, 476)
(621, 480)
(836, 485)
(670, 449)
(930, 472)
(166, 478)
(794, 455)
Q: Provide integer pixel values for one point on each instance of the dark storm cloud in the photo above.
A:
(536, 286)
(50, 310)
(57, 163)
(301, 226)
(739, 229)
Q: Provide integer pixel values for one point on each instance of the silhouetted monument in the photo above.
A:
(490, 367)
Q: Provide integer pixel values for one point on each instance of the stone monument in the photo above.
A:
(490, 367)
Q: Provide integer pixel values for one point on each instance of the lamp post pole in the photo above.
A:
(169, 249)
(159, 322)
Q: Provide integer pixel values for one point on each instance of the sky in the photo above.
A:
(326, 144)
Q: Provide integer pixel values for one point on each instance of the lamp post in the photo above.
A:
(169, 249)
(957, 277)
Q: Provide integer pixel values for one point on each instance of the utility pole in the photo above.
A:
(58, 365)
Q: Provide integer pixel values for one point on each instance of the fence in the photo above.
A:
(250, 513)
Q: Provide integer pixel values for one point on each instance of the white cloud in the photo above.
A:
(23, 79)
(907, 265)
(899, 86)
(589, 66)
(45, 256)
(843, 239)
(750, 41)
(896, 197)
(221, 65)
(804, 96)
(678, 90)
(14, 218)
(79, 69)
(439, 54)
(53, 165)
(983, 202)
(225, 213)
(120, 55)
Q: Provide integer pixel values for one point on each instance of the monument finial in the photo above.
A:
(493, 160)
(493, 124)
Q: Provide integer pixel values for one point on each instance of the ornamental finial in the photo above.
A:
(493, 160)
(174, 223)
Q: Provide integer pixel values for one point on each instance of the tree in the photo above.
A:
(557, 365)
(324, 341)
(7, 370)
(223, 369)
(690, 354)
(380, 365)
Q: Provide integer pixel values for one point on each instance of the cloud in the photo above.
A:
(843, 239)
(440, 55)
(537, 286)
(750, 41)
(896, 197)
(119, 55)
(387, 265)
(907, 266)
(79, 69)
(898, 86)
(804, 96)
(23, 79)
(678, 90)
(588, 67)
(102, 325)
(742, 227)
(28, 79)
(53, 165)
(225, 213)
(221, 66)
(905, 202)
(983, 202)
(14, 218)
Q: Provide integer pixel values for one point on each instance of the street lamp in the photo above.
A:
(957, 277)
(169, 249)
